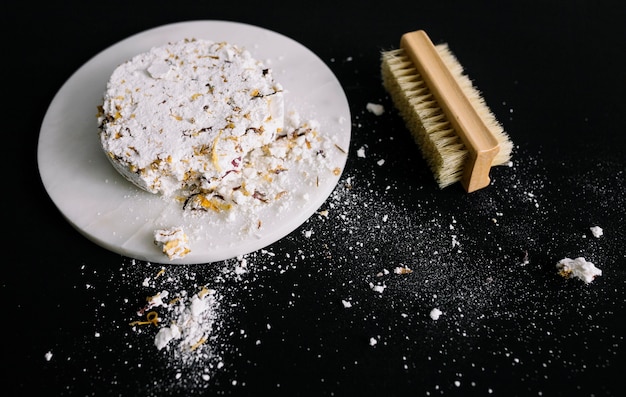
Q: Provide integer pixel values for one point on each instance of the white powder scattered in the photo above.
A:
(165, 335)
(596, 231)
(189, 321)
(435, 314)
(525, 259)
(375, 108)
(455, 242)
(48, 356)
(484, 288)
(377, 287)
(186, 324)
(381, 274)
(241, 267)
(361, 152)
(578, 268)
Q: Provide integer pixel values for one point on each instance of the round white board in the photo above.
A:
(115, 214)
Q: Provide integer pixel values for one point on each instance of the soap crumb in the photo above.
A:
(435, 314)
(377, 288)
(375, 108)
(402, 270)
(361, 152)
(578, 268)
(596, 231)
(173, 242)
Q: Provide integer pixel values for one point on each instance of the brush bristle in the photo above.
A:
(442, 149)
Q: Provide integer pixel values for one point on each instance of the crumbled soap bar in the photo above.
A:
(184, 115)
(173, 242)
(578, 268)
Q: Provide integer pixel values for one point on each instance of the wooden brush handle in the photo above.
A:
(479, 141)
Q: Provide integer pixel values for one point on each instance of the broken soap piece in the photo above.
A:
(578, 268)
(173, 242)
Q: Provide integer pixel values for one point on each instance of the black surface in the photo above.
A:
(554, 75)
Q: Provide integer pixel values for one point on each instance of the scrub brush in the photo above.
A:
(457, 133)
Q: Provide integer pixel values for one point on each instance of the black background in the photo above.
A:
(552, 72)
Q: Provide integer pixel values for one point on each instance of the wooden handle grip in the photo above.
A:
(482, 146)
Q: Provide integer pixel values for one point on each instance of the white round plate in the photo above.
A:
(113, 213)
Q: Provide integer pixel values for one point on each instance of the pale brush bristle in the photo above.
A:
(441, 147)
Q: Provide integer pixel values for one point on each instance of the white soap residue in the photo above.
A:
(578, 268)
(596, 231)
(435, 314)
(361, 152)
(165, 335)
(185, 322)
(375, 108)
(377, 287)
